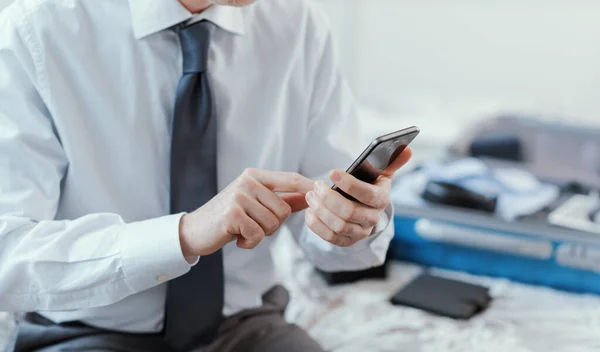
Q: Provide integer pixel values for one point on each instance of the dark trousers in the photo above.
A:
(261, 329)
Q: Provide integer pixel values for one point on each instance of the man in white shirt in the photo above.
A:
(102, 232)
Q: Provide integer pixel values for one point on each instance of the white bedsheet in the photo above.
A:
(6, 330)
(358, 317)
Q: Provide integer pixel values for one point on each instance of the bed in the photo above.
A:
(357, 317)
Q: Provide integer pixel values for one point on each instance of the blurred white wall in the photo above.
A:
(441, 64)
(4, 3)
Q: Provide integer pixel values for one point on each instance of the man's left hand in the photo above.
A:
(344, 222)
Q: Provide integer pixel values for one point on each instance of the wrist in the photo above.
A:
(184, 236)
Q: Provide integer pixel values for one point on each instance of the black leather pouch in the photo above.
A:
(445, 297)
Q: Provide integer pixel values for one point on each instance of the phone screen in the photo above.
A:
(379, 159)
(375, 160)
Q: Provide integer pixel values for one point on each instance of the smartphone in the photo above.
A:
(379, 155)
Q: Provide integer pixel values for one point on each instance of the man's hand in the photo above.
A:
(341, 221)
(246, 211)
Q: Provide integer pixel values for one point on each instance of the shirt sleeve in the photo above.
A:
(333, 142)
(47, 264)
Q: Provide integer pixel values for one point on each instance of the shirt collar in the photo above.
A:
(149, 17)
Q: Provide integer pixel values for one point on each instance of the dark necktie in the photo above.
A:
(195, 300)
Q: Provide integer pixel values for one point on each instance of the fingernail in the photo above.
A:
(310, 197)
(320, 185)
(336, 177)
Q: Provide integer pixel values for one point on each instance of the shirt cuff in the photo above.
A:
(151, 252)
(379, 240)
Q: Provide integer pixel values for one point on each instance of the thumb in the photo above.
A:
(398, 160)
(296, 201)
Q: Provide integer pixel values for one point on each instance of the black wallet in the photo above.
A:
(445, 297)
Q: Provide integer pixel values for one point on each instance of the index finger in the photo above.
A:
(280, 181)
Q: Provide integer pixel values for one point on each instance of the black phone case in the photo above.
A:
(445, 297)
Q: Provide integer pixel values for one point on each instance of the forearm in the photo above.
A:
(92, 261)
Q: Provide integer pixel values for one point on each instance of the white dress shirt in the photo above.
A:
(87, 90)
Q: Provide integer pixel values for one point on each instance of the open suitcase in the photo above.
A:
(528, 249)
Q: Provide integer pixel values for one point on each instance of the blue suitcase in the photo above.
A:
(532, 252)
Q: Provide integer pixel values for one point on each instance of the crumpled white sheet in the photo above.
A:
(7, 326)
(359, 317)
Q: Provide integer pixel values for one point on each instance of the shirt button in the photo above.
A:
(162, 278)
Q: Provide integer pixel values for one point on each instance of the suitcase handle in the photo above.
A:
(463, 236)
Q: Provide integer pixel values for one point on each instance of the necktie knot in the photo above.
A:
(195, 42)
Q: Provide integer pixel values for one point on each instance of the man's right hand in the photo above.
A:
(246, 211)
